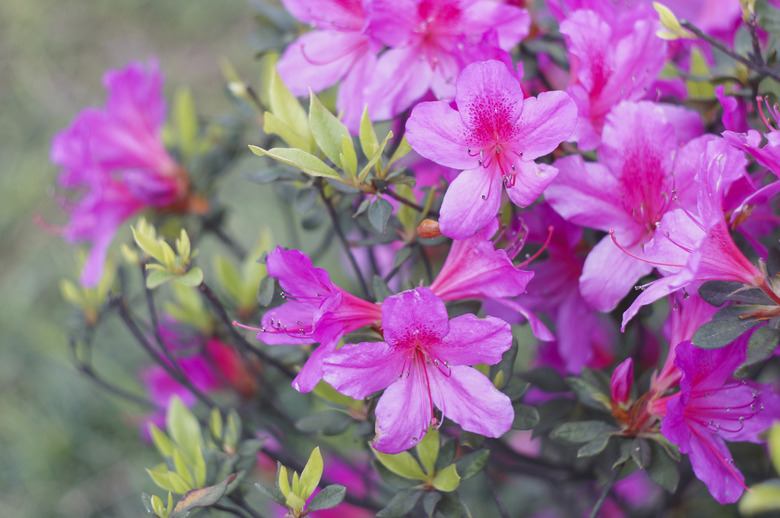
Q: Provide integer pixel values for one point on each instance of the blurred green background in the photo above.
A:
(66, 449)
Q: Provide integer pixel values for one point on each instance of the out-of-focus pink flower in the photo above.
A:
(116, 156)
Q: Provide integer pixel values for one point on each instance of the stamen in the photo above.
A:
(614, 240)
(242, 326)
(544, 246)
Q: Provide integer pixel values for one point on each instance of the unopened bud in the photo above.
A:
(428, 229)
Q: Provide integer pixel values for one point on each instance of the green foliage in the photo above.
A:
(170, 266)
(90, 301)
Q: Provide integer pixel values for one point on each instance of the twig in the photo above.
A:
(605, 491)
(242, 342)
(762, 68)
(408, 203)
(757, 57)
(156, 323)
(344, 243)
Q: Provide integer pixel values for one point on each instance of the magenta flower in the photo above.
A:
(315, 311)
(431, 41)
(117, 155)
(640, 168)
(693, 242)
(494, 137)
(621, 382)
(711, 408)
(615, 57)
(339, 49)
(423, 365)
(767, 154)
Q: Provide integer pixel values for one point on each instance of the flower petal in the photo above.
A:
(414, 317)
(531, 180)
(474, 340)
(546, 121)
(436, 132)
(470, 202)
(403, 414)
(358, 370)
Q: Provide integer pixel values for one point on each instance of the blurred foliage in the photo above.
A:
(65, 451)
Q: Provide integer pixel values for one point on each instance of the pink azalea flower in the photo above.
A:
(621, 382)
(423, 365)
(615, 57)
(711, 408)
(340, 48)
(766, 153)
(117, 156)
(693, 243)
(494, 138)
(315, 311)
(633, 185)
(431, 41)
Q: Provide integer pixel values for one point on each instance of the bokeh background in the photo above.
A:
(66, 449)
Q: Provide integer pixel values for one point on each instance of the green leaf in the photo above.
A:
(428, 450)
(329, 497)
(161, 441)
(698, 67)
(589, 393)
(774, 446)
(471, 440)
(185, 123)
(471, 464)
(447, 479)
(184, 429)
(228, 276)
(641, 453)
(272, 492)
(401, 151)
(391, 478)
(446, 454)
(581, 431)
(203, 497)
(374, 158)
(192, 278)
(281, 479)
(304, 161)
(595, 446)
(331, 422)
(199, 468)
(311, 474)
(669, 21)
(768, 17)
(348, 156)
(716, 293)
(402, 464)
(265, 291)
(368, 140)
(401, 504)
(272, 125)
(526, 417)
(379, 213)
(546, 379)
(379, 288)
(182, 469)
(721, 332)
(327, 130)
(762, 343)
(289, 111)
(762, 498)
(430, 500)
(663, 470)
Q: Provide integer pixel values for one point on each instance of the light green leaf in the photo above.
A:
(161, 441)
(401, 151)
(774, 446)
(762, 498)
(327, 130)
(428, 450)
(228, 276)
(282, 481)
(184, 429)
(304, 161)
(698, 67)
(402, 464)
(192, 278)
(183, 245)
(199, 469)
(348, 156)
(447, 479)
(311, 474)
(374, 158)
(669, 20)
(368, 141)
(147, 241)
(215, 424)
(182, 469)
(185, 122)
(158, 277)
(274, 126)
(288, 110)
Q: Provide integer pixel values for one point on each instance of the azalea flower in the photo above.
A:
(713, 407)
(494, 138)
(430, 41)
(315, 311)
(116, 155)
(424, 364)
(340, 48)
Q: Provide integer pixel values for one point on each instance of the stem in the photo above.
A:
(408, 203)
(156, 324)
(605, 491)
(757, 57)
(762, 68)
(502, 510)
(121, 307)
(242, 342)
(344, 243)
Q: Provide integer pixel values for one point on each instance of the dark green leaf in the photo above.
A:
(663, 470)
(721, 332)
(402, 256)
(331, 422)
(203, 497)
(526, 417)
(551, 413)
(515, 389)
(272, 492)
(625, 452)
(429, 502)
(641, 453)
(507, 364)
(446, 454)
(472, 440)
(595, 446)
(716, 293)
(581, 431)
(401, 504)
(471, 464)
(589, 394)
(450, 506)
(380, 289)
(362, 207)
(247, 453)
(378, 213)
(762, 343)
(305, 200)
(329, 497)
(546, 379)
(265, 291)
